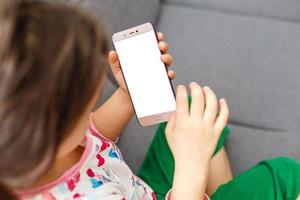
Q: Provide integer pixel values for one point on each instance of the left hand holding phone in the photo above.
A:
(166, 58)
(115, 107)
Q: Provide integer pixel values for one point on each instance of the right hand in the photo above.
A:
(193, 134)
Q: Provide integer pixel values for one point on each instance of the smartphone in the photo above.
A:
(145, 75)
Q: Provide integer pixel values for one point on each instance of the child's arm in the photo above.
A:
(113, 115)
(111, 118)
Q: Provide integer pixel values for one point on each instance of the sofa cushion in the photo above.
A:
(281, 9)
(117, 15)
(253, 62)
(248, 146)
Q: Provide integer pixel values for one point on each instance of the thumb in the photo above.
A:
(113, 60)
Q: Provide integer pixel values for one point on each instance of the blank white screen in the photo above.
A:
(145, 74)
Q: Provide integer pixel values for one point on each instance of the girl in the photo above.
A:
(53, 62)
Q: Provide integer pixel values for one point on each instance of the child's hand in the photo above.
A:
(193, 134)
(165, 57)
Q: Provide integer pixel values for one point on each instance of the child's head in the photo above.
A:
(52, 60)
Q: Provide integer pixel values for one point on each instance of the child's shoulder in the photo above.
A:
(100, 173)
(94, 169)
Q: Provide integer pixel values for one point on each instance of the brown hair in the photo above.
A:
(51, 62)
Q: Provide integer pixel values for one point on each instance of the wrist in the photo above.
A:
(192, 165)
(199, 172)
(189, 183)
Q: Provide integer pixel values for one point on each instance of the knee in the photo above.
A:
(284, 162)
(287, 161)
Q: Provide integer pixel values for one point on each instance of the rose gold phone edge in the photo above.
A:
(128, 33)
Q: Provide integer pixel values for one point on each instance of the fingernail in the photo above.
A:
(193, 83)
(180, 86)
(206, 88)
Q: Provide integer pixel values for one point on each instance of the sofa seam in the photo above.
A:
(257, 127)
(231, 12)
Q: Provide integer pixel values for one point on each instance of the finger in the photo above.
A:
(197, 104)
(166, 59)
(113, 61)
(171, 124)
(211, 104)
(160, 36)
(112, 57)
(163, 47)
(223, 116)
(182, 110)
(171, 74)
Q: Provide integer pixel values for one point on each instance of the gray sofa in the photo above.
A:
(248, 51)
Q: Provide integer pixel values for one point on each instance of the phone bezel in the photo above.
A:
(131, 32)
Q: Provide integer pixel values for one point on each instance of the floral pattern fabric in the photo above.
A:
(101, 173)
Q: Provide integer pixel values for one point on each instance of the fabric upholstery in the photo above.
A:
(121, 14)
(252, 62)
(280, 9)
